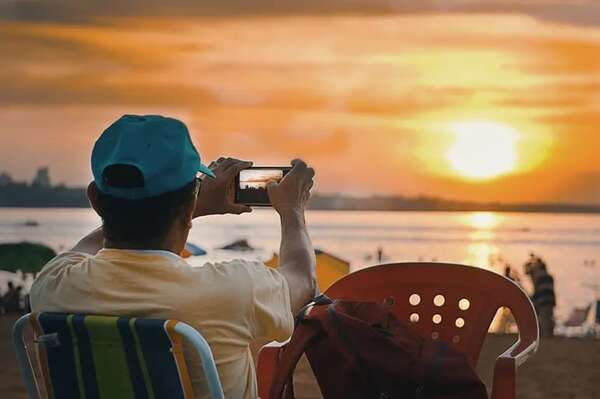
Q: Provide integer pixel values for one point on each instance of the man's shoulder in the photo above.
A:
(243, 271)
(67, 259)
(236, 267)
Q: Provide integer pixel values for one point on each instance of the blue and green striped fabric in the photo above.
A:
(102, 357)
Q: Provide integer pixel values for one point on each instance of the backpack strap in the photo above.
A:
(318, 300)
(304, 333)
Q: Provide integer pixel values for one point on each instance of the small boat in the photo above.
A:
(31, 223)
(238, 245)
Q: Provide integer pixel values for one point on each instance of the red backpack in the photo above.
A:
(361, 350)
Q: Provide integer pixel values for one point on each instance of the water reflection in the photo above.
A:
(481, 251)
(483, 220)
(482, 235)
(482, 254)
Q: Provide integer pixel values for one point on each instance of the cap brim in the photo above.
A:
(206, 170)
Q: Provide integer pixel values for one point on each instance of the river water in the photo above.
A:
(570, 244)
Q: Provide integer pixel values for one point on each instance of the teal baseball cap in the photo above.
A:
(159, 147)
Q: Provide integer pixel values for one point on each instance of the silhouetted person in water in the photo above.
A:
(544, 298)
(379, 254)
(511, 274)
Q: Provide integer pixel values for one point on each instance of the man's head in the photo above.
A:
(145, 185)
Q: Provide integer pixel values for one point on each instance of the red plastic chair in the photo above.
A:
(453, 303)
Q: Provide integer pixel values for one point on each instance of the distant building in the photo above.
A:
(5, 179)
(42, 178)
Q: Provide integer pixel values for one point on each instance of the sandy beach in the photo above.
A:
(564, 368)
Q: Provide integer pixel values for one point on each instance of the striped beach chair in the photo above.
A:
(75, 356)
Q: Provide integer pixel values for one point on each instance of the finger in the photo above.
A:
(307, 187)
(238, 166)
(228, 163)
(217, 165)
(298, 164)
(271, 184)
(306, 195)
(240, 160)
(298, 167)
(310, 173)
(230, 192)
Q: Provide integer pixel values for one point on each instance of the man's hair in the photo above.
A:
(140, 222)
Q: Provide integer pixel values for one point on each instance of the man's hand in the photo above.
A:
(217, 196)
(293, 191)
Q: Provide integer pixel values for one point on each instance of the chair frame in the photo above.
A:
(511, 296)
(190, 334)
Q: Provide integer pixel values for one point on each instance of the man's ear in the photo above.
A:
(92, 194)
(188, 216)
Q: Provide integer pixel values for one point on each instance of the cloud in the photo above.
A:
(553, 99)
(351, 93)
(573, 12)
(425, 100)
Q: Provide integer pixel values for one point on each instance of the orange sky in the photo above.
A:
(369, 100)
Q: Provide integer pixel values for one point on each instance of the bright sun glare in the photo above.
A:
(482, 150)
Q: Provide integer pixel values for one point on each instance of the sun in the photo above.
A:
(482, 150)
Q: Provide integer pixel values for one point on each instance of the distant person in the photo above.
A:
(512, 274)
(544, 298)
(19, 299)
(26, 305)
(12, 298)
(2, 310)
(533, 260)
(147, 189)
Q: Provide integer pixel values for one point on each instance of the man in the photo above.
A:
(147, 192)
(11, 301)
(544, 298)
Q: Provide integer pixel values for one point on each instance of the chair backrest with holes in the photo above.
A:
(453, 303)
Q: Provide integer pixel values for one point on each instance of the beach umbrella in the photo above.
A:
(25, 256)
(192, 250)
(330, 268)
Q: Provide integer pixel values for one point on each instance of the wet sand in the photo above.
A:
(564, 368)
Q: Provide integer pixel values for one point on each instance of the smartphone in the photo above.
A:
(251, 184)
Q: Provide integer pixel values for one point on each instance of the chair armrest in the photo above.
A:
(268, 360)
(505, 371)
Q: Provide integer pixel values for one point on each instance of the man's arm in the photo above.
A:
(297, 255)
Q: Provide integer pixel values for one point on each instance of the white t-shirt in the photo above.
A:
(230, 303)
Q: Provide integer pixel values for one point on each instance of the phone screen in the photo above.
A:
(251, 184)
